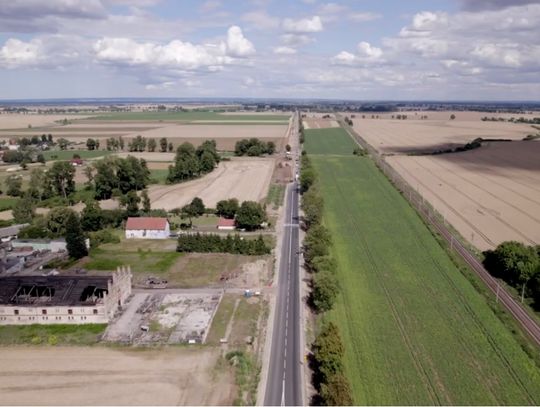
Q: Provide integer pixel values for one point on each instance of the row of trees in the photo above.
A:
(190, 163)
(139, 144)
(332, 386)
(518, 265)
(212, 243)
(328, 351)
(254, 147)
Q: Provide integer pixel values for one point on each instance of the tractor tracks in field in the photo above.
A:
(468, 309)
(422, 373)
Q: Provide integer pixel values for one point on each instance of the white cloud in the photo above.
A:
(295, 40)
(366, 50)
(331, 8)
(303, 25)
(367, 54)
(261, 20)
(363, 17)
(237, 44)
(284, 50)
(210, 5)
(16, 53)
(345, 58)
(65, 8)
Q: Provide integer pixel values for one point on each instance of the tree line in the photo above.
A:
(213, 243)
(518, 265)
(254, 147)
(332, 386)
(191, 162)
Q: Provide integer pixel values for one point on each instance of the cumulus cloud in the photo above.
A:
(237, 44)
(24, 9)
(295, 40)
(366, 54)
(303, 25)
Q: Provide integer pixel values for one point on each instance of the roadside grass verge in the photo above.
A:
(60, 334)
(275, 196)
(415, 330)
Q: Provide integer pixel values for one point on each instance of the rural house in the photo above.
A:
(226, 224)
(147, 228)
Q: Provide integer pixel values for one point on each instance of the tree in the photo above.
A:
(227, 208)
(207, 162)
(24, 211)
(57, 219)
(452, 116)
(198, 206)
(63, 143)
(40, 158)
(61, 175)
(288, 148)
(131, 202)
(190, 212)
(92, 217)
(91, 144)
(337, 391)
(328, 351)
(270, 147)
(75, 240)
(312, 205)
(36, 183)
(147, 206)
(325, 291)
(151, 145)
(14, 185)
(250, 215)
(170, 147)
(163, 144)
(527, 270)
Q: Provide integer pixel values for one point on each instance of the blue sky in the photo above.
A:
(354, 49)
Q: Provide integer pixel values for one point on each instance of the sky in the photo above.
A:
(349, 49)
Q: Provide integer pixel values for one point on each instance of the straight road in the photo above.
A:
(284, 385)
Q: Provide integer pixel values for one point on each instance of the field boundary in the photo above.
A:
(433, 218)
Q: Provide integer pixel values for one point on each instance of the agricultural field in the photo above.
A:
(414, 328)
(100, 375)
(245, 179)
(392, 136)
(68, 154)
(329, 141)
(179, 127)
(489, 195)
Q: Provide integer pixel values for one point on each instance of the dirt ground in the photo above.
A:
(107, 376)
(244, 179)
(21, 121)
(405, 136)
(489, 195)
(316, 123)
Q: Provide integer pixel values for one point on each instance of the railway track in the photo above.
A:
(528, 324)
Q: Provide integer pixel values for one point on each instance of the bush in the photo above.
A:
(102, 236)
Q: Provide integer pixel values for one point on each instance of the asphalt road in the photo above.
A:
(284, 384)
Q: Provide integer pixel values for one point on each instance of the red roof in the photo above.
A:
(146, 223)
(225, 222)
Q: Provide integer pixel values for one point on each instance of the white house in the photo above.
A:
(147, 228)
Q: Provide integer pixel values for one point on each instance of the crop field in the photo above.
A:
(415, 330)
(489, 195)
(68, 154)
(329, 141)
(246, 179)
(191, 116)
(408, 136)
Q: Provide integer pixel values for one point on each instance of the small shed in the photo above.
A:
(226, 224)
(147, 228)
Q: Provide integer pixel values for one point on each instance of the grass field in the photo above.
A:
(158, 176)
(276, 194)
(190, 116)
(7, 202)
(60, 334)
(141, 261)
(415, 330)
(68, 154)
(329, 141)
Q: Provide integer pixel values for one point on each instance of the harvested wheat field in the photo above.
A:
(316, 123)
(407, 136)
(104, 376)
(489, 195)
(22, 121)
(244, 179)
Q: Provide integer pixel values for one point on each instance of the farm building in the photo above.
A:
(147, 228)
(26, 300)
(226, 224)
